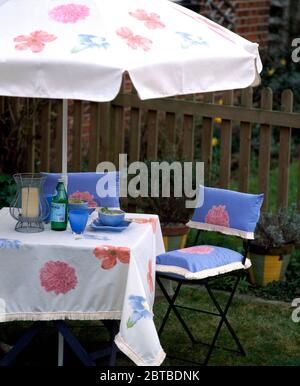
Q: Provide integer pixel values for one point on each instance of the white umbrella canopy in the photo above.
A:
(79, 49)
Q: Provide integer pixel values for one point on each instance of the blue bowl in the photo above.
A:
(112, 219)
(78, 206)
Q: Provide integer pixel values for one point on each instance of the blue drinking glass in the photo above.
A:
(78, 220)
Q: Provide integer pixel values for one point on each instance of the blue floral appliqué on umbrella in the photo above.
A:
(90, 41)
(10, 244)
(189, 40)
(140, 308)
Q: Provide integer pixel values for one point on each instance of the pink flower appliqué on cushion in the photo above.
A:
(151, 20)
(200, 249)
(134, 41)
(109, 255)
(58, 277)
(35, 41)
(152, 221)
(149, 276)
(69, 13)
(218, 215)
(85, 196)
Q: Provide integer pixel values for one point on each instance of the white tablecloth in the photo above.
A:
(106, 275)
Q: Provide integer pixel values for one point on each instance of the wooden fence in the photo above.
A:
(172, 128)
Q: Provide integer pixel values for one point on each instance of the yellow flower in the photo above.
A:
(271, 71)
(214, 142)
(282, 61)
(218, 120)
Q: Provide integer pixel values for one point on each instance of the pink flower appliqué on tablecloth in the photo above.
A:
(109, 254)
(152, 221)
(199, 249)
(58, 277)
(218, 215)
(69, 13)
(134, 41)
(149, 276)
(35, 41)
(152, 20)
(85, 196)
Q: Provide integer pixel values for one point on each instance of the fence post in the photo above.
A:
(45, 136)
(58, 137)
(2, 104)
(188, 137)
(206, 145)
(135, 135)
(226, 141)
(245, 142)
(105, 129)
(119, 132)
(77, 135)
(171, 134)
(31, 136)
(284, 152)
(265, 149)
(152, 134)
(95, 136)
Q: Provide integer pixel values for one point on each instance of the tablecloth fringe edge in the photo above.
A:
(60, 316)
(119, 341)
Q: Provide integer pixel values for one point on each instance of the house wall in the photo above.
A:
(251, 18)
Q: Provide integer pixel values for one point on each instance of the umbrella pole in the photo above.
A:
(64, 148)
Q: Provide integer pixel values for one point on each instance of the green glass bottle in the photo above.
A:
(59, 208)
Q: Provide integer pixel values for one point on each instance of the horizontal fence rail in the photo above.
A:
(205, 127)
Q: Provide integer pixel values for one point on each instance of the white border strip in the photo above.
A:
(123, 346)
(45, 316)
(218, 228)
(205, 273)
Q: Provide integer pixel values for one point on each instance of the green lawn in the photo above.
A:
(266, 331)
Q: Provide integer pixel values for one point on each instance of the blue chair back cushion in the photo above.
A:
(201, 261)
(228, 212)
(99, 189)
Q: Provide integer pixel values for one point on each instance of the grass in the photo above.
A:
(266, 331)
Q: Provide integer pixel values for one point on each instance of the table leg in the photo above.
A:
(60, 361)
(74, 344)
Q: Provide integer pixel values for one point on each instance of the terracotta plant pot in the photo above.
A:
(175, 237)
(269, 264)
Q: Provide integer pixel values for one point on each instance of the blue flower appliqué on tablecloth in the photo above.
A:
(140, 308)
(189, 40)
(90, 41)
(10, 244)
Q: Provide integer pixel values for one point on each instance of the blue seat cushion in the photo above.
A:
(200, 261)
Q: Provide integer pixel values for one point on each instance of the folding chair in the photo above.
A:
(223, 211)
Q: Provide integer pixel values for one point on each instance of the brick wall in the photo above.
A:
(251, 18)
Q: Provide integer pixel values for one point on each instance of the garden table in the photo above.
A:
(103, 276)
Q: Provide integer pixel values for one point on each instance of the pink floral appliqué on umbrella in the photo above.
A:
(35, 41)
(58, 277)
(152, 221)
(149, 276)
(200, 249)
(109, 254)
(152, 20)
(134, 41)
(69, 13)
(218, 215)
(85, 196)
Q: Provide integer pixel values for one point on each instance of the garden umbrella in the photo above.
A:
(80, 49)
